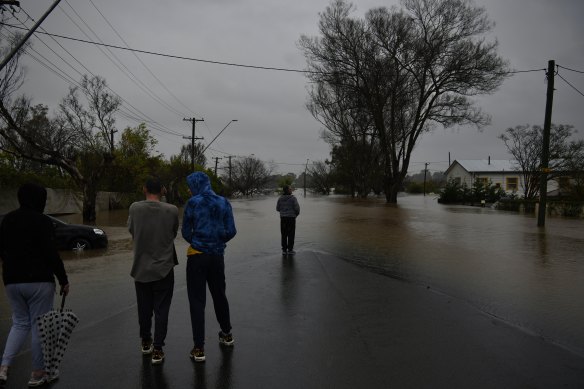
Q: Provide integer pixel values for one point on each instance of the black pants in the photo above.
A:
(288, 230)
(154, 297)
(203, 269)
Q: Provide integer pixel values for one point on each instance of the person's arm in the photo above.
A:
(130, 222)
(187, 224)
(175, 225)
(296, 206)
(229, 222)
(49, 247)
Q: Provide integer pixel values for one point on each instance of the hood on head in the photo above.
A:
(32, 196)
(198, 183)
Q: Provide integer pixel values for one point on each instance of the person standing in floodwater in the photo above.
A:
(289, 209)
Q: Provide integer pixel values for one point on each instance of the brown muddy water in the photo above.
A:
(500, 262)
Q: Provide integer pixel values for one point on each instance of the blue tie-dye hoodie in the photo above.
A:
(208, 218)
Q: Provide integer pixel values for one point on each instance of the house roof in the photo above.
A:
(486, 166)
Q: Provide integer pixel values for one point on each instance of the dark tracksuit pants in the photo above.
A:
(288, 230)
(203, 269)
(156, 297)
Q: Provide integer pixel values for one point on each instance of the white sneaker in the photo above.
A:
(35, 381)
(3, 373)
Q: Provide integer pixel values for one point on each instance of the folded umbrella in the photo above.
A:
(55, 328)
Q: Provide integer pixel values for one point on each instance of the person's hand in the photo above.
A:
(64, 290)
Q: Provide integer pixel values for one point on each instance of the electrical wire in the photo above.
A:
(126, 71)
(572, 70)
(171, 55)
(573, 87)
(142, 62)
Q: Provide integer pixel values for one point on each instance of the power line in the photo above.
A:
(154, 125)
(170, 55)
(566, 81)
(142, 62)
(572, 70)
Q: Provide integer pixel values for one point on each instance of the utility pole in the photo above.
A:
(193, 139)
(425, 171)
(112, 132)
(231, 156)
(216, 162)
(28, 34)
(305, 168)
(545, 153)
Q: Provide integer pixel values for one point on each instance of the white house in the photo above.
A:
(505, 174)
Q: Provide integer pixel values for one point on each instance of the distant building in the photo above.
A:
(505, 174)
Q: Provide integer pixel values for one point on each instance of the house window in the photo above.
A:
(511, 184)
(483, 180)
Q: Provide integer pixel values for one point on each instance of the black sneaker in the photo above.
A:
(147, 346)
(197, 354)
(291, 252)
(157, 356)
(226, 339)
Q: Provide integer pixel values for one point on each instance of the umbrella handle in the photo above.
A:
(63, 302)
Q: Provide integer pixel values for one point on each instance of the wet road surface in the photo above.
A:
(314, 320)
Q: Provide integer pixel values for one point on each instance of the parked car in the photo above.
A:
(76, 236)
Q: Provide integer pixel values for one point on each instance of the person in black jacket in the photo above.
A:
(289, 209)
(30, 262)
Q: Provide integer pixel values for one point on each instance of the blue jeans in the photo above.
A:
(203, 269)
(28, 301)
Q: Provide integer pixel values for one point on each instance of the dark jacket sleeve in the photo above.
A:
(48, 246)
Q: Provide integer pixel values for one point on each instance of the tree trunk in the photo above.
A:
(89, 202)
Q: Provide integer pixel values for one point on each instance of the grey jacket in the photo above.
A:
(153, 225)
(288, 206)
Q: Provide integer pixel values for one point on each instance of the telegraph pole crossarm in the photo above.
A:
(193, 139)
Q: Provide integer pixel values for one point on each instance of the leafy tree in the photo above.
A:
(525, 144)
(396, 73)
(134, 161)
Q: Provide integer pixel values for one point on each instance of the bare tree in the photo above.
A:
(249, 175)
(321, 177)
(525, 144)
(403, 70)
(78, 139)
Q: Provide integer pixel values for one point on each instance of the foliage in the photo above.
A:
(455, 193)
(134, 161)
(378, 83)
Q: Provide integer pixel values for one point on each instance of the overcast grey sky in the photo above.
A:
(273, 123)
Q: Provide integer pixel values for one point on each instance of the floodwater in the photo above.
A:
(499, 262)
